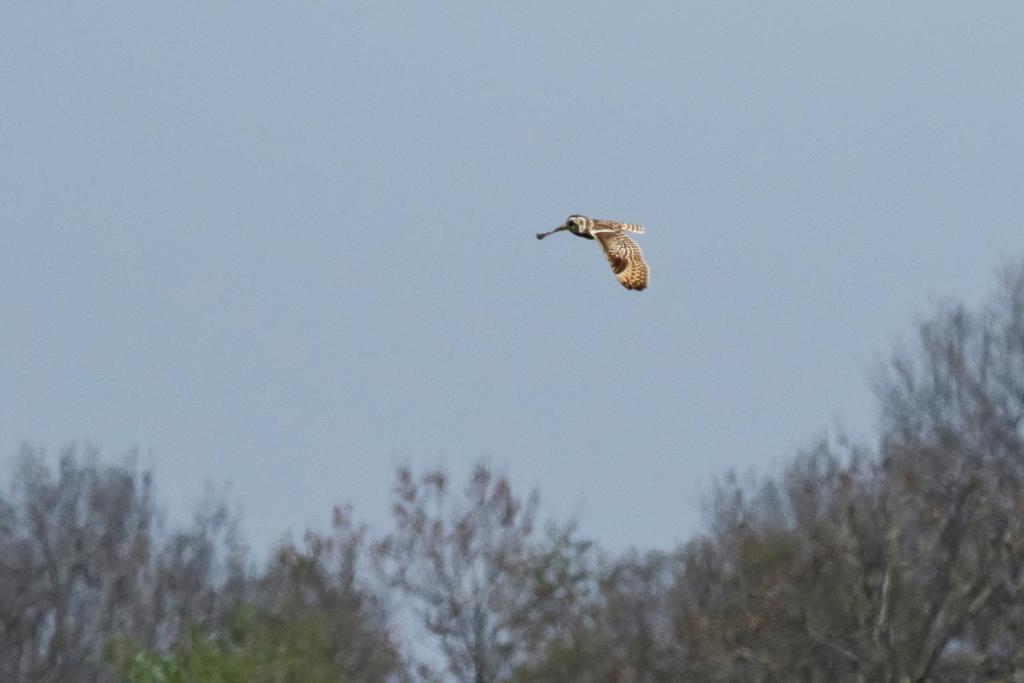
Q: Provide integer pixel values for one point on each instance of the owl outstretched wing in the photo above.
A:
(625, 257)
(629, 227)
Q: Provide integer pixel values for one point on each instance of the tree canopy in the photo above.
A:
(898, 560)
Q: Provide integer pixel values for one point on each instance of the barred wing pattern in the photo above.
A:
(631, 227)
(624, 255)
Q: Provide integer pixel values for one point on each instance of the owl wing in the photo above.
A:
(626, 258)
(629, 227)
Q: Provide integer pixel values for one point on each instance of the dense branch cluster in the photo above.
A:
(898, 561)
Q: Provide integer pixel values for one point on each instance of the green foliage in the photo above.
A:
(253, 648)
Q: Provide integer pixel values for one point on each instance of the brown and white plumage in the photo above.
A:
(623, 253)
(626, 259)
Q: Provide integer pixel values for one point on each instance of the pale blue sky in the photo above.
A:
(290, 245)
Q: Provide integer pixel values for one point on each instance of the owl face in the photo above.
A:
(575, 223)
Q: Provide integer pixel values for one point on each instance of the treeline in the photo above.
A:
(902, 560)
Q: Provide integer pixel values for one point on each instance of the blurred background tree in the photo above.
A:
(905, 565)
(485, 584)
(251, 648)
(902, 561)
(84, 555)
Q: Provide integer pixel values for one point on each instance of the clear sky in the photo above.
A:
(289, 245)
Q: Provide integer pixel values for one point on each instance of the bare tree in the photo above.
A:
(82, 559)
(626, 633)
(953, 450)
(321, 582)
(485, 584)
(900, 564)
